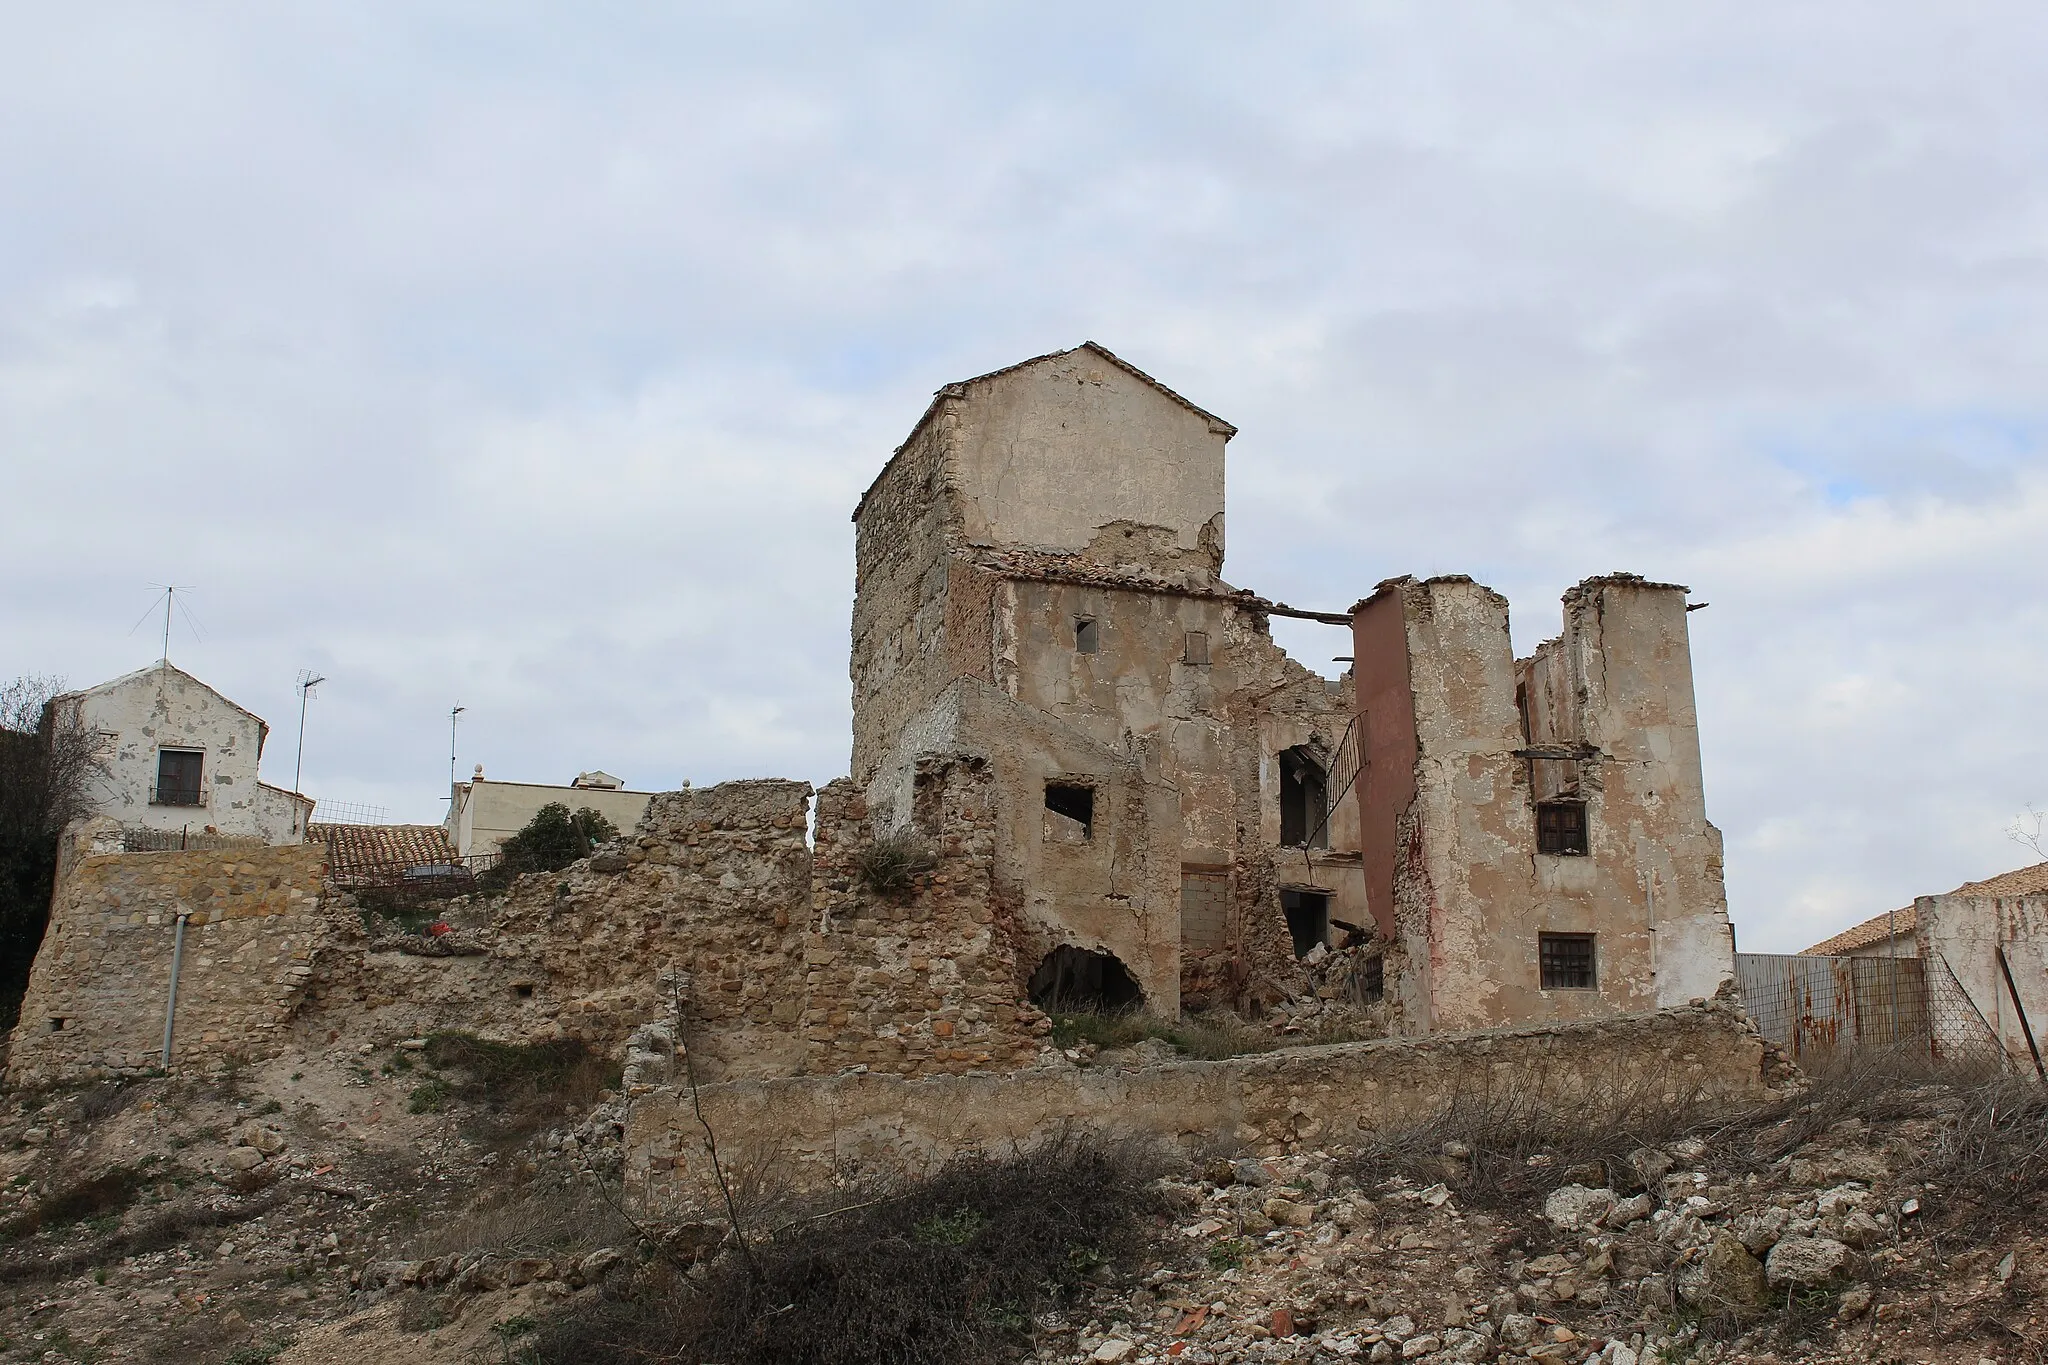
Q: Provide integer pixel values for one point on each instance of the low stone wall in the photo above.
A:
(96, 995)
(1706, 1055)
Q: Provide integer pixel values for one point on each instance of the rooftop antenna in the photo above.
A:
(308, 680)
(169, 600)
(455, 711)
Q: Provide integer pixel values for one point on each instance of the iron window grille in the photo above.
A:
(178, 774)
(1566, 962)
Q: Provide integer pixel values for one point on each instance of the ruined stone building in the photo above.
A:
(1179, 803)
(1097, 779)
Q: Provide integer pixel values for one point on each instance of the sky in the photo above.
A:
(531, 358)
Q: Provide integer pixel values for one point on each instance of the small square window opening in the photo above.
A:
(1085, 640)
(1197, 651)
(1074, 803)
(1561, 827)
(1566, 962)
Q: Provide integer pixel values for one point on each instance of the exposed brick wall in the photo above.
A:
(254, 925)
(1273, 1103)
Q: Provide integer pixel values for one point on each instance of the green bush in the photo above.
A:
(554, 838)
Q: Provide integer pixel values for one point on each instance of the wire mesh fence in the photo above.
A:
(1819, 1009)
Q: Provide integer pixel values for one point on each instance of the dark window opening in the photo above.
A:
(1072, 980)
(524, 990)
(1375, 984)
(1308, 919)
(1304, 803)
(1197, 650)
(177, 777)
(1075, 802)
(57, 1025)
(1561, 827)
(1566, 961)
(1085, 641)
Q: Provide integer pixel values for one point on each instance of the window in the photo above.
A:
(1085, 641)
(1374, 985)
(1069, 810)
(1308, 919)
(1561, 827)
(1566, 961)
(1304, 805)
(1197, 651)
(177, 777)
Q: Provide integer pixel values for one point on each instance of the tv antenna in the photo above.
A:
(308, 680)
(453, 712)
(170, 604)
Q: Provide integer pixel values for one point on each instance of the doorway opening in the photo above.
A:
(1304, 800)
(1308, 918)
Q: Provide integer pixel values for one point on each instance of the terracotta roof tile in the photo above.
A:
(2031, 880)
(1863, 935)
(356, 849)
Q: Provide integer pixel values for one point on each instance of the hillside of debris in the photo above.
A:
(454, 1201)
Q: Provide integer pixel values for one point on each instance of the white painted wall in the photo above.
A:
(163, 707)
(485, 814)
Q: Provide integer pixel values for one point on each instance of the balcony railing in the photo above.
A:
(177, 796)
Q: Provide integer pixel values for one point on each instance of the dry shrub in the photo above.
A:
(524, 1086)
(944, 1271)
(1507, 1150)
(535, 1223)
(109, 1192)
(891, 865)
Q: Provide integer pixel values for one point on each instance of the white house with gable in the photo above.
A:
(182, 757)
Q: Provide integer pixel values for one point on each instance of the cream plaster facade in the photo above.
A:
(484, 814)
(162, 709)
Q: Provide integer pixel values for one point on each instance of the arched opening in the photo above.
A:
(1304, 799)
(1072, 980)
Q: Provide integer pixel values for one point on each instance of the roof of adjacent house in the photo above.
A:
(2031, 880)
(361, 848)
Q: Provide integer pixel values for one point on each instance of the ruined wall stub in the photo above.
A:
(1466, 745)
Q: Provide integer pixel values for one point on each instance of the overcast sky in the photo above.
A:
(533, 357)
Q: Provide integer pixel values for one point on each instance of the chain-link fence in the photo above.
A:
(1816, 1008)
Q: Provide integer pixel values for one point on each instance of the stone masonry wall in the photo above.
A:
(712, 883)
(96, 996)
(926, 983)
(1273, 1103)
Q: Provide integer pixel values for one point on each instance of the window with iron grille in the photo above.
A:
(177, 777)
(1566, 961)
(1561, 827)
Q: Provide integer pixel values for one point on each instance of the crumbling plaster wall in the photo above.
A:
(1468, 890)
(1049, 453)
(166, 708)
(1273, 1103)
(1967, 932)
(254, 927)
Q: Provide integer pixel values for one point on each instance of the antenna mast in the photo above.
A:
(307, 682)
(457, 710)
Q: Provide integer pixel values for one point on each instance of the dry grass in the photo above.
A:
(521, 1087)
(533, 1223)
(946, 1271)
(891, 865)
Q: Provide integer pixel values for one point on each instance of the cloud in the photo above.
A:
(534, 360)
